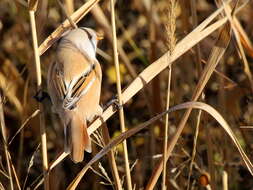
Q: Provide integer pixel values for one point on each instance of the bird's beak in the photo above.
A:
(100, 36)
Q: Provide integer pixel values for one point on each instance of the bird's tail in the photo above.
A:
(77, 139)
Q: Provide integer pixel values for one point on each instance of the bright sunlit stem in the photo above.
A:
(38, 77)
(121, 111)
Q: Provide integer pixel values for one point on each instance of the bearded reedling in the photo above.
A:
(74, 85)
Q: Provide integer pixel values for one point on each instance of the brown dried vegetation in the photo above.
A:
(207, 50)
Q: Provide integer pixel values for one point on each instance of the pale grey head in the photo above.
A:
(85, 39)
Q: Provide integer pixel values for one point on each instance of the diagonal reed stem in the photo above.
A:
(121, 111)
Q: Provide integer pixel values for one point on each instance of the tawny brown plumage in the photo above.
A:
(74, 84)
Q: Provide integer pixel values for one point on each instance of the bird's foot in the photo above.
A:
(115, 103)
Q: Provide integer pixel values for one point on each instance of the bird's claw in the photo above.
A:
(115, 103)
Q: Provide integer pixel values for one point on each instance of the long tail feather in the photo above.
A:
(77, 139)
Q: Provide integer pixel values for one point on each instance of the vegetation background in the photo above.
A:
(146, 30)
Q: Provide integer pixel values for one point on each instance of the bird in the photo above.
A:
(74, 86)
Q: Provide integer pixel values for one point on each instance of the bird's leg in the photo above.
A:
(116, 106)
(114, 102)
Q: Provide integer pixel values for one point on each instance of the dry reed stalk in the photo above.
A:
(184, 5)
(3, 128)
(100, 18)
(199, 69)
(195, 24)
(170, 27)
(14, 172)
(66, 12)
(222, 75)
(214, 58)
(58, 159)
(69, 6)
(246, 127)
(111, 157)
(210, 157)
(247, 44)
(224, 180)
(21, 138)
(155, 84)
(222, 108)
(121, 110)
(194, 150)
(5, 85)
(239, 43)
(127, 35)
(32, 9)
(166, 129)
(36, 112)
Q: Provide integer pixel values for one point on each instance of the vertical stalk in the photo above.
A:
(211, 168)
(69, 6)
(42, 119)
(2, 122)
(166, 132)
(170, 26)
(199, 69)
(155, 84)
(194, 150)
(224, 180)
(121, 111)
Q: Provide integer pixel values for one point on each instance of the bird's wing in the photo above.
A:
(59, 84)
(77, 87)
(56, 85)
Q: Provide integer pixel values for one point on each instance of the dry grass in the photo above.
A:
(215, 34)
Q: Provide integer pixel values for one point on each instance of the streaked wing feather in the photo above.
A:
(80, 88)
(59, 83)
(82, 84)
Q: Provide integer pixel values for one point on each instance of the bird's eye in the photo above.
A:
(90, 36)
